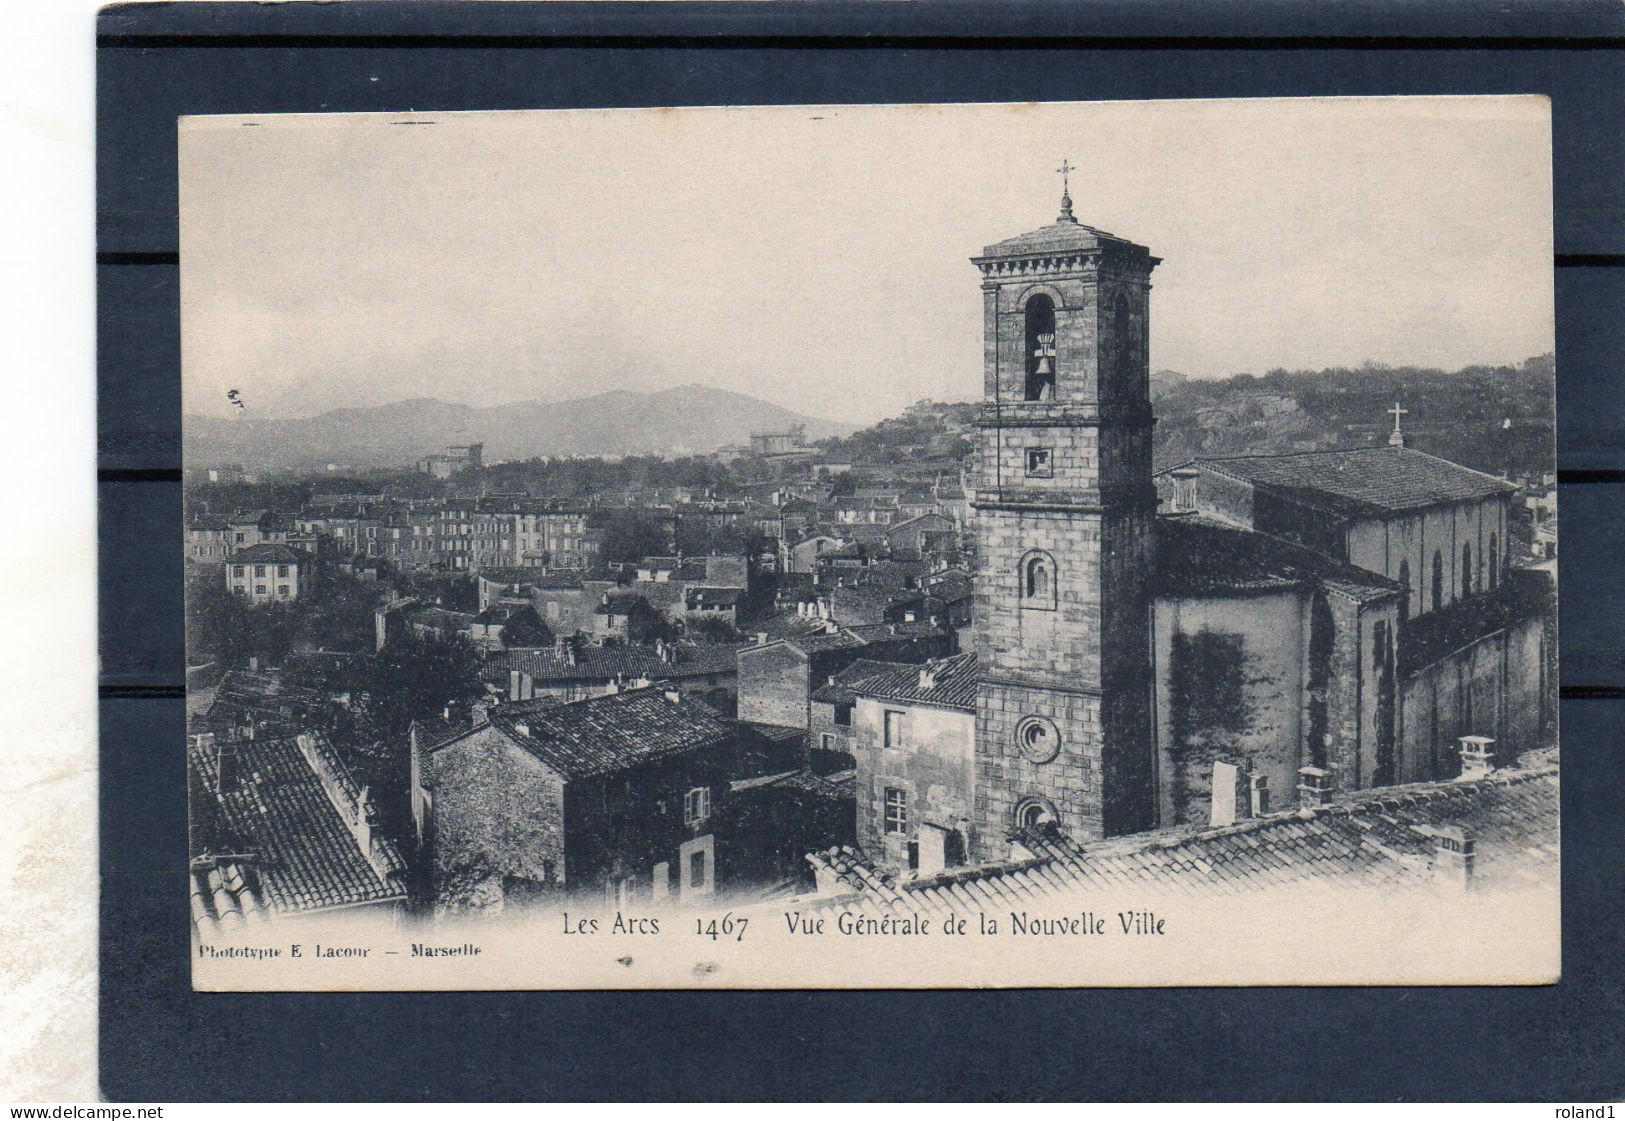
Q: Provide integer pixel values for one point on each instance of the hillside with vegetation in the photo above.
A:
(1498, 419)
(1491, 418)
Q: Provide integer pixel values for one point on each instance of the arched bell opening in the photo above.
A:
(1040, 348)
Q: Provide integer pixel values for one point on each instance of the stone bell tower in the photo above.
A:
(1065, 515)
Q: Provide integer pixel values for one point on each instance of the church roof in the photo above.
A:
(1198, 555)
(1363, 480)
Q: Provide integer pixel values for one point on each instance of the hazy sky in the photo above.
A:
(817, 257)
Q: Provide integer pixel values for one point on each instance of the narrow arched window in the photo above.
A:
(1438, 580)
(1125, 377)
(1405, 578)
(1037, 580)
(1466, 571)
(1040, 348)
(1495, 559)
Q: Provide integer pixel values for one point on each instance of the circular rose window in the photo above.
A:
(1038, 739)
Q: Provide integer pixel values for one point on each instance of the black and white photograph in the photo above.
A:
(976, 545)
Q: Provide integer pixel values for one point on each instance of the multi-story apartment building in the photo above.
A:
(264, 573)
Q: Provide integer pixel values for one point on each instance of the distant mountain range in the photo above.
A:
(689, 418)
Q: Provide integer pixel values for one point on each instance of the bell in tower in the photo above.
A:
(1041, 381)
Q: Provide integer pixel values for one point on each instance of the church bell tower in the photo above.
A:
(1065, 515)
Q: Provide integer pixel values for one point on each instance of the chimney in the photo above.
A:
(479, 713)
(1477, 756)
(761, 638)
(932, 850)
(1314, 787)
(225, 765)
(673, 696)
(1232, 794)
(366, 819)
(1259, 788)
(928, 676)
(826, 879)
(513, 685)
(1452, 859)
(253, 663)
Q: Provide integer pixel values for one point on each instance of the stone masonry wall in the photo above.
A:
(1071, 782)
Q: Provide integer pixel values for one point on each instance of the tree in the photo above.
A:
(711, 630)
(338, 614)
(226, 628)
(416, 676)
(450, 590)
(630, 535)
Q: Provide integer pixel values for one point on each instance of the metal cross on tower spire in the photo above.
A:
(1066, 196)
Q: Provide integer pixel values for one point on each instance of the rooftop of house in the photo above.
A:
(1197, 555)
(1385, 837)
(607, 663)
(864, 533)
(621, 603)
(789, 624)
(952, 586)
(275, 841)
(814, 643)
(523, 575)
(842, 686)
(839, 786)
(870, 598)
(439, 618)
(883, 632)
(941, 682)
(260, 694)
(714, 597)
(502, 614)
(602, 735)
(921, 521)
(1361, 481)
(267, 554)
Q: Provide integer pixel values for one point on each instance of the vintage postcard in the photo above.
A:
(872, 546)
